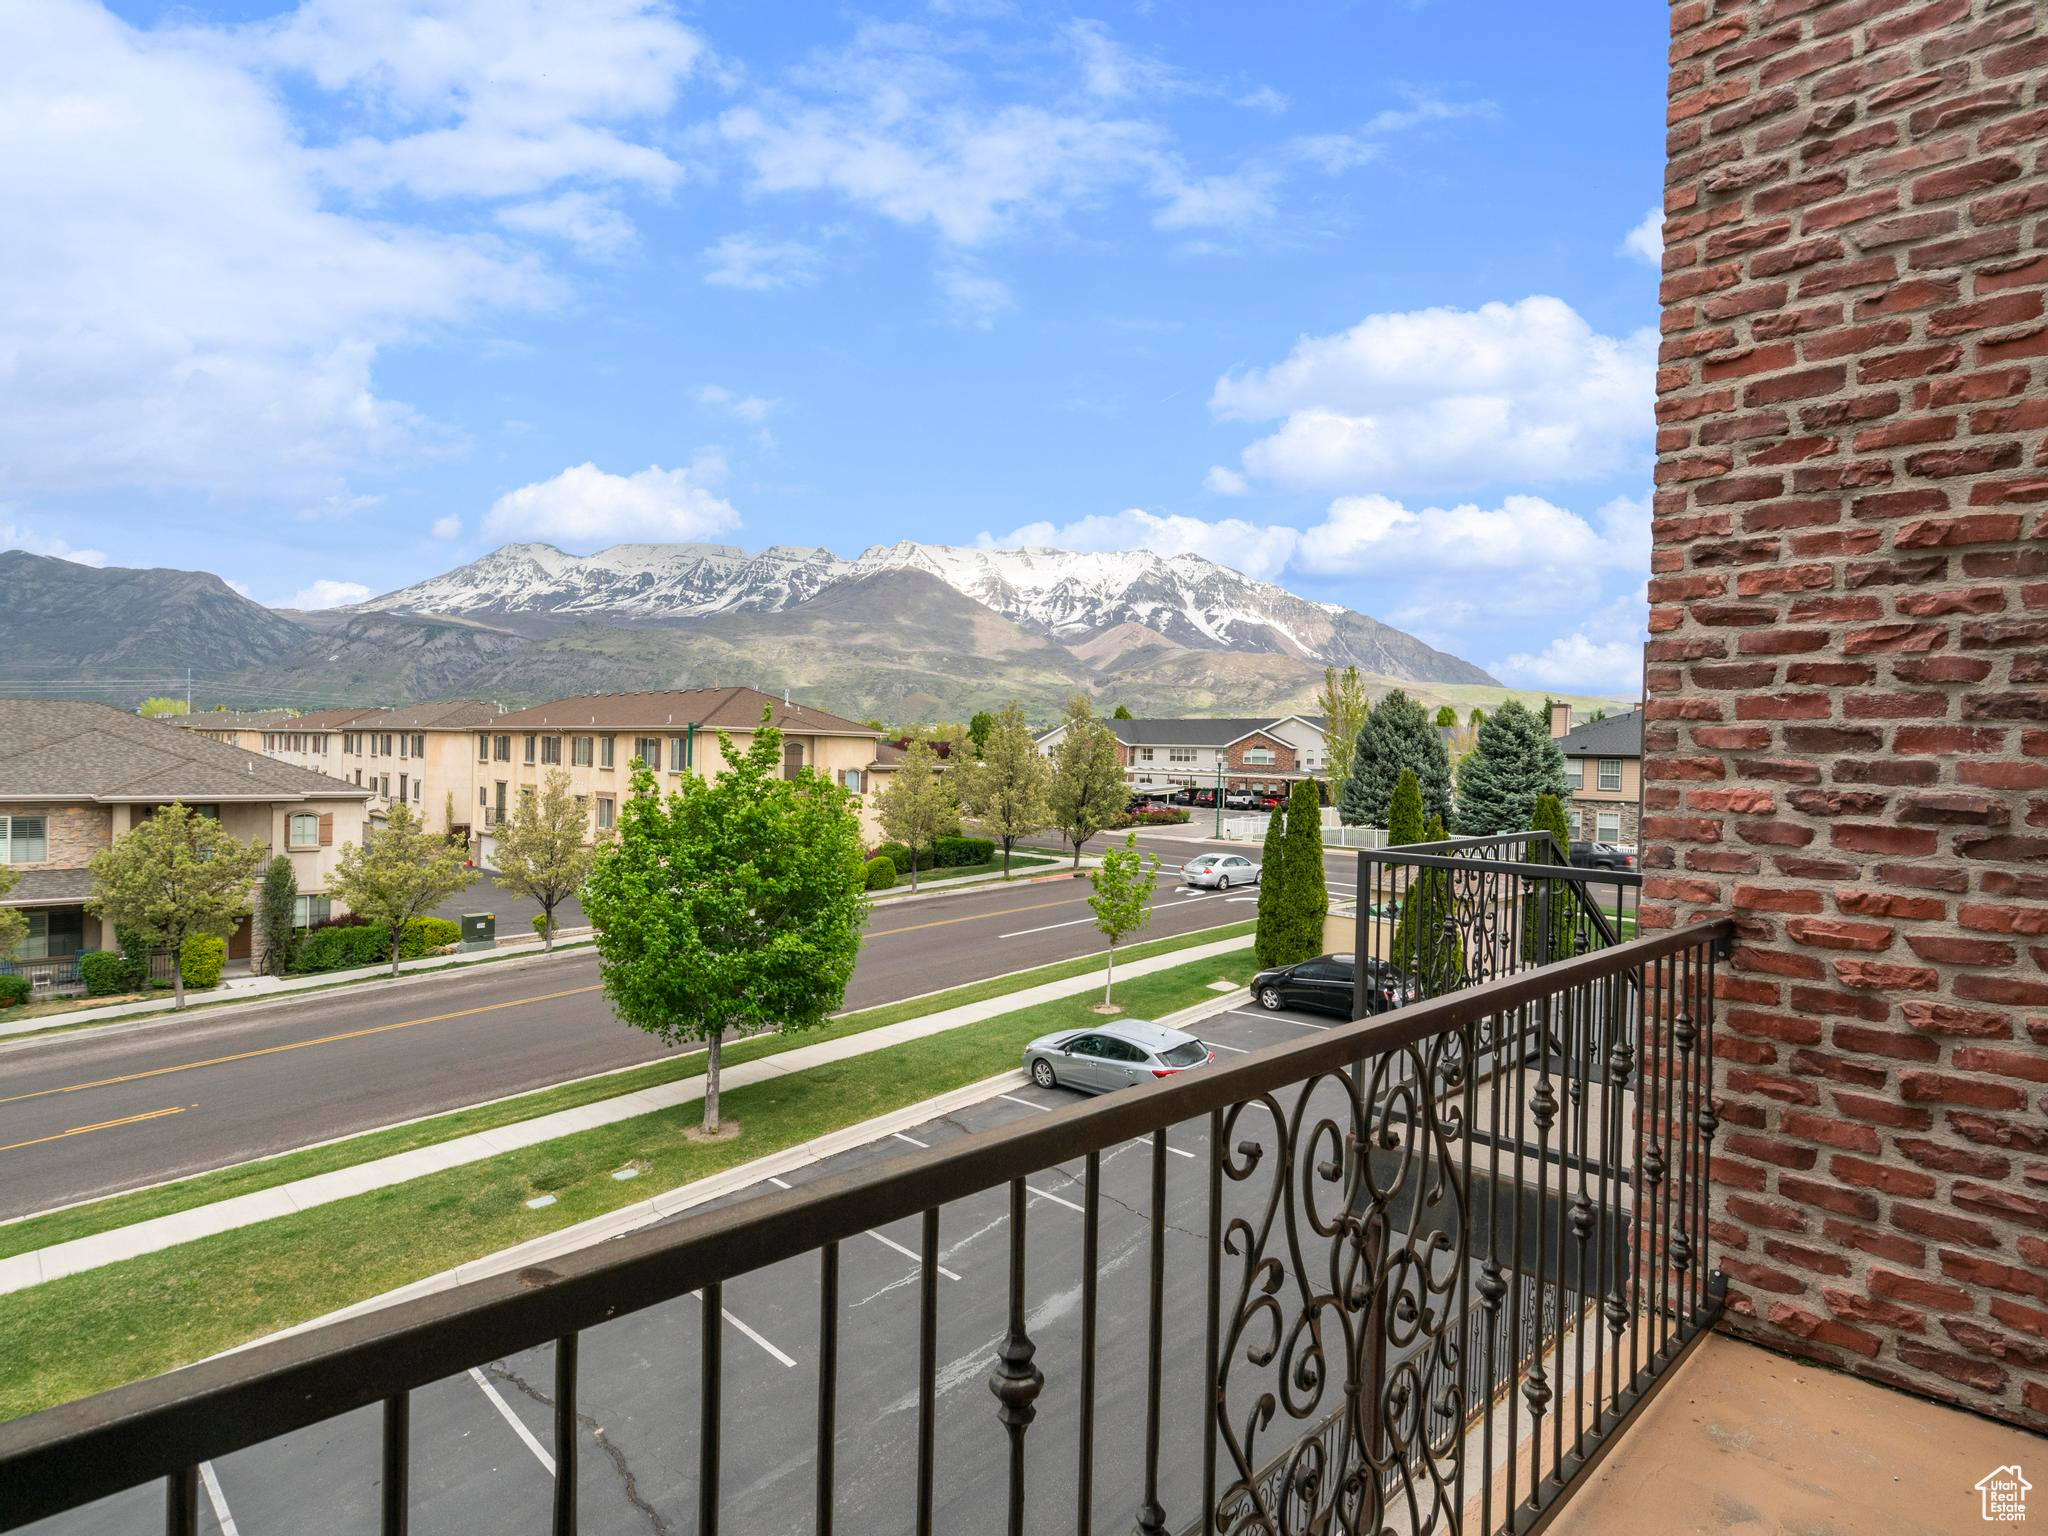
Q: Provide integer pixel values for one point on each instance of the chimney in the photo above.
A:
(1560, 718)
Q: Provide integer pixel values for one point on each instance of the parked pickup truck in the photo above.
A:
(1603, 856)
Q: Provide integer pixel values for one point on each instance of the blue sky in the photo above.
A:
(1356, 297)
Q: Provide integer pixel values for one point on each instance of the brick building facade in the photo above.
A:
(1847, 733)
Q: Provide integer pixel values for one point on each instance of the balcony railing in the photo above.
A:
(1414, 1272)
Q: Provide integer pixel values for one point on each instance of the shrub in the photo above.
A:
(106, 972)
(13, 989)
(1153, 816)
(340, 946)
(423, 935)
(959, 852)
(540, 924)
(897, 855)
(881, 873)
(200, 959)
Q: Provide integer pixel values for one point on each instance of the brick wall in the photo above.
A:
(1284, 760)
(1847, 735)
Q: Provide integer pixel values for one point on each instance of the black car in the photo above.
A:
(1602, 856)
(1324, 984)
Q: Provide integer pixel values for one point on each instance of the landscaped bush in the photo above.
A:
(201, 958)
(341, 946)
(881, 873)
(1161, 816)
(13, 989)
(898, 855)
(424, 935)
(957, 852)
(107, 972)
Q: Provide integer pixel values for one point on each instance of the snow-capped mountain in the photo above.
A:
(1185, 600)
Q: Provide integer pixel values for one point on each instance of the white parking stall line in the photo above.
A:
(218, 1500)
(909, 1253)
(780, 1183)
(518, 1427)
(1046, 1194)
(1235, 1050)
(1043, 1109)
(911, 1139)
(1274, 1018)
(750, 1333)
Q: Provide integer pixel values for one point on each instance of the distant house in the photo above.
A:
(1257, 755)
(73, 777)
(1603, 765)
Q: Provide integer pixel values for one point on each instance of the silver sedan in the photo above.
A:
(1122, 1054)
(1222, 870)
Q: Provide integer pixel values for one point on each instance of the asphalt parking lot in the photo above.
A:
(482, 1455)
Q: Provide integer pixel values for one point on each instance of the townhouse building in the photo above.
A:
(1257, 755)
(1603, 765)
(422, 756)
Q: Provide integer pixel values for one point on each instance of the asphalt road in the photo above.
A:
(99, 1111)
(483, 1443)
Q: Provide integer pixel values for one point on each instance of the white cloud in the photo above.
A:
(1646, 241)
(750, 262)
(1225, 482)
(239, 588)
(449, 527)
(1335, 153)
(752, 409)
(1110, 71)
(15, 535)
(327, 594)
(586, 506)
(590, 224)
(1447, 397)
(1368, 535)
(1603, 656)
(1223, 201)
(1263, 98)
(973, 298)
(1257, 550)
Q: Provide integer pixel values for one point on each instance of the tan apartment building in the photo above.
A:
(73, 777)
(420, 755)
(595, 737)
(309, 740)
(1603, 765)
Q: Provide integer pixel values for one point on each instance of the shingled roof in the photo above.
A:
(1616, 736)
(442, 715)
(709, 709)
(1190, 731)
(53, 749)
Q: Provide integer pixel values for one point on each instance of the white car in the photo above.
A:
(1221, 870)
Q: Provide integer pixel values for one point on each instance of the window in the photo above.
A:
(648, 750)
(792, 759)
(1259, 757)
(551, 749)
(320, 745)
(678, 753)
(384, 785)
(604, 751)
(1180, 754)
(308, 910)
(1610, 773)
(604, 813)
(483, 747)
(581, 752)
(851, 779)
(23, 840)
(1610, 826)
(53, 935)
(418, 786)
(1145, 754)
(501, 748)
(1575, 772)
(403, 786)
(405, 746)
(303, 831)
(529, 747)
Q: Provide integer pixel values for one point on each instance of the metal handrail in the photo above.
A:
(69, 1455)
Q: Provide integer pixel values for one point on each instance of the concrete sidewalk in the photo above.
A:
(111, 1247)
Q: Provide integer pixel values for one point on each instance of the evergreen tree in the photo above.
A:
(1548, 816)
(1120, 713)
(1396, 735)
(1305, 901)
(1446, 718)
(1514, 761)
(278, 906)
(1404, 812)
(1268, 941)
(1428, 948)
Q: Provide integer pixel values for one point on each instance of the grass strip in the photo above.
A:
(91, 1331)
(1018, 861)
(205, 1188)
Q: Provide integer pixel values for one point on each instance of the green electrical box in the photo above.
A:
(479, 930)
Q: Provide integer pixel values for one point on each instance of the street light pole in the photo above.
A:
(1219, 799)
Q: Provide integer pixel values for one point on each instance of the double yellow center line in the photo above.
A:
(104, 1125)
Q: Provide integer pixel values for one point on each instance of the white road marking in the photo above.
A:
(1046, 1109)
(518, 1426)
(1235, 1050)
(217, 1499)
(1046, 1194)
(909, 1253)
(743, 1328)
(911, 1139)
(779, 1183)
(1043, 1109)
(1275, 1018)
(1047, 928)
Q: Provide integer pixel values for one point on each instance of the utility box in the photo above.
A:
(479, 930)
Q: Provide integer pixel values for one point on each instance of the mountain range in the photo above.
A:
(905, 631)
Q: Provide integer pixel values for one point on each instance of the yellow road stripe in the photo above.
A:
(104, 1125)
(301, 1045)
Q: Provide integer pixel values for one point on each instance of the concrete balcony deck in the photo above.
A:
(1744, 1441)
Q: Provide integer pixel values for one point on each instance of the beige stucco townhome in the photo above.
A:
(421, 755)
(73, 777)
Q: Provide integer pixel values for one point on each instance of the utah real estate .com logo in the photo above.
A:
(2005, 1495)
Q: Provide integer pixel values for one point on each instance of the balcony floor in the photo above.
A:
(1748, 1442)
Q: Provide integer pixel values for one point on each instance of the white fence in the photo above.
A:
(1252, 829)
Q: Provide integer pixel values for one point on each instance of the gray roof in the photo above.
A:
(1195, 732)
(41, 887)
(1616, 736)
(58, 750)
(230, 719)
(444, 715)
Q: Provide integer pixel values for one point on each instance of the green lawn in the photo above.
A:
(204, 1189)
(88, 1332)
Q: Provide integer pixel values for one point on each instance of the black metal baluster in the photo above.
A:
(181, 1502)
(1515, 1345)
(1014, 1380)
(1585, 1001)
(1543, 1109)
(1151, 1516)
(927, 1371)
(1091, 1213)
(395, 1496)
(828, 1381)
(1462, 1382)
(1660, 1168)
(1491, 1287)
(711, 1352)
(565, 1435)
(1681, 1244)
(1710, 1120)
(1214, 1343)
(1639, 1183)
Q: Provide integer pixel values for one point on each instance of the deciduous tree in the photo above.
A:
(1121, 900)
(1446, 718)
(174, 874)
(159, 708)
(1396, 735)
(401, 871)
(1006, 790)
(1087, 790)
(1343, 704)
(13, 924)
(733, 905)
(918, 805)
(978, 730)
(545, 848)
(1513, 762)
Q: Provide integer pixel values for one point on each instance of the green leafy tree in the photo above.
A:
(544, 848)
(1446, 718)
(1404, 812)
(1397, 735)
(1343, 704)
(1087, 790)
(278, 904)
(157, 708)
(172, 875)
(1513, 762)
(1121, 900)
(733, 905)
(1006, 789)
(1428, 948)
(401, 871)
(1269, 938)
(918, 806)
(1477, 718)
(1120, 713)
(1307, 899)
(978, 730)
(13, 923)
(1549, 816)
